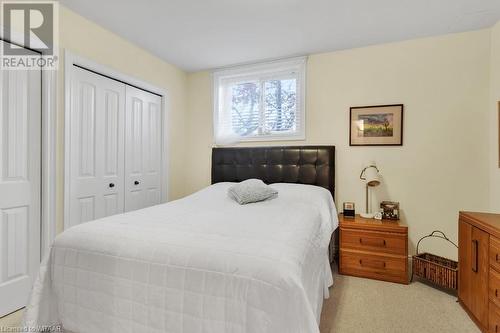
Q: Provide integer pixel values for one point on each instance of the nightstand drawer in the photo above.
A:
(373, 241)
(387, 268)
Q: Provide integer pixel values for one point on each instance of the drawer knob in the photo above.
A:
(496, 257)
(496, 292)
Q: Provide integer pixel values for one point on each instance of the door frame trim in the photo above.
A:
(49, 160)
(71, 59)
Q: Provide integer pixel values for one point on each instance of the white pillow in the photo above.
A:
(251, 190)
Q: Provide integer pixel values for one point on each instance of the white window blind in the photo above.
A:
(260, 102)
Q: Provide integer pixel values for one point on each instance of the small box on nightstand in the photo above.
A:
(349, 211)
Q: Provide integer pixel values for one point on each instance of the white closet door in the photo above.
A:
(97, 152)
(20, 137)
(142, 149)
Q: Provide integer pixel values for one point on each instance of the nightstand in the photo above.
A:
(373, 249)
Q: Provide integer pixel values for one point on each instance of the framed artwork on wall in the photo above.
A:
(498, 134)
(377, 125)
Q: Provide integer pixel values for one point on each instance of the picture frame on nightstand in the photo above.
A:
(389, 210)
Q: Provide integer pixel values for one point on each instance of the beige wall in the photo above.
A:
(494, 121)
(199, 129)
(442, 167)
(87, 39)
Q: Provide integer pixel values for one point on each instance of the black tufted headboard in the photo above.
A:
(314, 165)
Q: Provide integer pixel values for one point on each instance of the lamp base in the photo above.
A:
(367, 215)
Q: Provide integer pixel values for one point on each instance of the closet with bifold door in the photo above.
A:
(115, 147)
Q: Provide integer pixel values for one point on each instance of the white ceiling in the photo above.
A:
(204, 34)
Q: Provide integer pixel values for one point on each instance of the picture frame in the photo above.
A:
(389, 210)
(498, 119)
(376, 125)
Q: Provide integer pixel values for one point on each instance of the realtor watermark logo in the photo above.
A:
(32, 27)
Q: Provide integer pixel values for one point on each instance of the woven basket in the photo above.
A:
(440, 271)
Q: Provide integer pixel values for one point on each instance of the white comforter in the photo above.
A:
(199, 264)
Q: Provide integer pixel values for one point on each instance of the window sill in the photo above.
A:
(265, 139)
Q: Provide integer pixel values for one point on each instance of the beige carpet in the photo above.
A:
(363, 305)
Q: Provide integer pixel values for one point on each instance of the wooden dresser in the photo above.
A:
(479, 268)
(374, 249)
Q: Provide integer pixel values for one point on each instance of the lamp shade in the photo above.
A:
(371, 176)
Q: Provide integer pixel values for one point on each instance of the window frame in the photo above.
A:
(261, 72)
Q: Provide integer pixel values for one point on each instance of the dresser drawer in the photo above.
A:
(494, 287)
(387, 268)
(373, 241)
(495, 252)
(494, 318)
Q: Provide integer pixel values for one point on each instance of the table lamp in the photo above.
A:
(370, 176)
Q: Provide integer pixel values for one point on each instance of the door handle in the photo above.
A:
(137, 182)
(111, 185)
(475, 246)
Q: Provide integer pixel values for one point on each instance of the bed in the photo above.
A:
(202, 263)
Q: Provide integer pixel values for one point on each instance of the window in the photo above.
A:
(260, 102)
